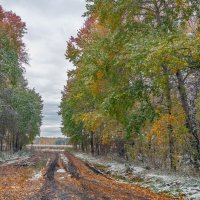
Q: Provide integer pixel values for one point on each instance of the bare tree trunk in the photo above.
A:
(17, 142)
(92, 142)
(1, 147)
(83, 140)
(170, 129)
(190, 123)
(97, 145)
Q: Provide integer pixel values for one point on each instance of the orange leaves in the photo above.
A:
(100, 74)
(164, 121)
(14, 182)
(17, 183)
(97, 86)
(160, 127)
(14, 29)
(159, 130)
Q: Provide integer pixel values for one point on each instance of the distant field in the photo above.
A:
(42, 146)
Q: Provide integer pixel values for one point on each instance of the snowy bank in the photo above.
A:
(189, 187)
(9, 158)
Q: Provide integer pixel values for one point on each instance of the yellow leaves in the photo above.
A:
(112, 130)
(159, 130)
(174, 53)
(164, 121)
(106, 138)
(100, 74)
(97, 86)
(78, 96)
(91, 120)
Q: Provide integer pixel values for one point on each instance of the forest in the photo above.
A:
(20, 106)
(135, 87)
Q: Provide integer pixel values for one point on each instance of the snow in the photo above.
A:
(48, 161)
(61, 170)
(138, 170)
(187, 186)
(36, 176)
(172, 184)
(7, 158)
(64, 159)
(51, 150)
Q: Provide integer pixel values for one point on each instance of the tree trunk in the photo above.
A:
(170, 129)
(190, 123)
(92, 142)
(1, 147)
(120, 147)
(97, 145)
(83, 140)
(16, 143)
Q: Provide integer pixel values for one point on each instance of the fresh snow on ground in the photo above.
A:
(61, 170)
(64, 159)
(36, 176)
(10, 158)
(171, 184)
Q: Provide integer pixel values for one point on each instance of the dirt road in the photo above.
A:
(65, 177)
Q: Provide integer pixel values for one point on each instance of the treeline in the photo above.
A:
(50, 141)
(20, 107)
(135, 86)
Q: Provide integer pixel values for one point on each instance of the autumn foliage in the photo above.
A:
(134, 89)
(20, 107)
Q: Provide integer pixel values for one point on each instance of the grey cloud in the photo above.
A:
(47, 7)
(50, 24)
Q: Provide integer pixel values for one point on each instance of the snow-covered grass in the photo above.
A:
(8, 156)
(172, 184)
(36, 176)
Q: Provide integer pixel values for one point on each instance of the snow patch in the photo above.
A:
(48, 161)
(7, 158)
(36, 176)
(171, 184)
(138, 170)
(64, 159)
(61, 170)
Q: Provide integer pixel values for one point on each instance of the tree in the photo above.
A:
(133, 60)
(20, 107)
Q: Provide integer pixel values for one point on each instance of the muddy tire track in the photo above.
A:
(73, 179)
(54, 190)
(106, 188)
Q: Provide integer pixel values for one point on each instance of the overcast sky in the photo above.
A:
(50, 24)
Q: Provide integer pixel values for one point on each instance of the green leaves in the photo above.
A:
(20, 107)
(126, 59)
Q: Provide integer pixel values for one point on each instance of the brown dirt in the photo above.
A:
(61, 181)
(106, 188)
